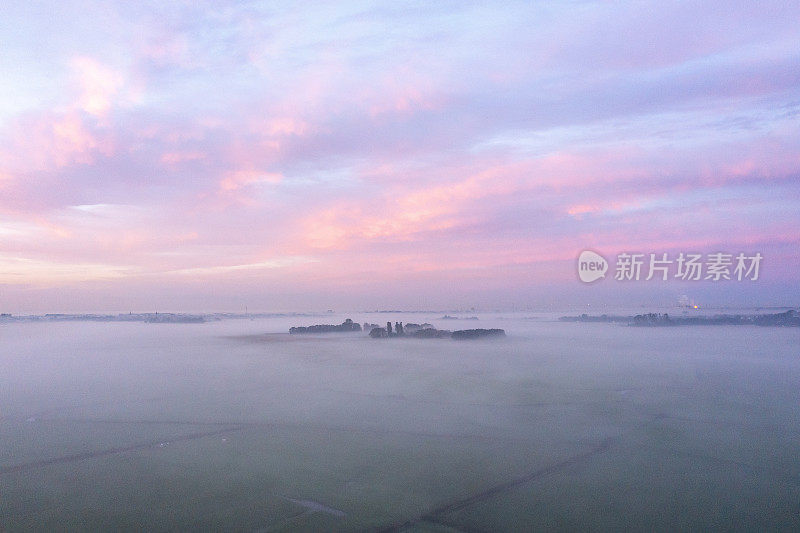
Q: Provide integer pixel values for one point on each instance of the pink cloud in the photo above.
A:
(402, 92)
(281, 126)
(175, 158)
(235, 180)
(72, 142)
(401, 214)
(50, 141)
(99, 85)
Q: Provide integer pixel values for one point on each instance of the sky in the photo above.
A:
(277, 156)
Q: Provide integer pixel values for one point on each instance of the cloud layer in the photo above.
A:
(239, 151)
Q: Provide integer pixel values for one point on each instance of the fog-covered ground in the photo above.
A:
(236, 425)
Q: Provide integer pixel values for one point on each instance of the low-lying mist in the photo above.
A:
(237, 425)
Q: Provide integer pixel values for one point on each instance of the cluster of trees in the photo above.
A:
(347, 325)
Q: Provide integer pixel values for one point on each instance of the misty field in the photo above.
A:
(236, 425)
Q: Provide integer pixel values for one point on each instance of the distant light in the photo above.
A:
(696, 307)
